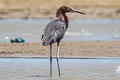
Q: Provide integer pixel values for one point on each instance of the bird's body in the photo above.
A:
(55, 30)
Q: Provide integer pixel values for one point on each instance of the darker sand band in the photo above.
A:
(68, 49)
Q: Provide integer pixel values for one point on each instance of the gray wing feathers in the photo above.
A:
(53, 32)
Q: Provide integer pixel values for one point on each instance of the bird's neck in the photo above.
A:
(62, 16)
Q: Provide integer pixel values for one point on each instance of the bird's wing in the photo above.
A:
(53, 32)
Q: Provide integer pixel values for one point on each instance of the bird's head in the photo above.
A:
(66, 9)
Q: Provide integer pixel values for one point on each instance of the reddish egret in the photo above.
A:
(55, 31)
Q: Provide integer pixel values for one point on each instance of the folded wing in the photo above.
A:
(53, 32)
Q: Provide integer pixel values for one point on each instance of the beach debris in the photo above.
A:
(6, 37)
(17, 40)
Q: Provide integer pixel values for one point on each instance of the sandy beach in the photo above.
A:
(79, 48)
(25, 9)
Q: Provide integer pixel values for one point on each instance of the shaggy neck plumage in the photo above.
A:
(61, 15)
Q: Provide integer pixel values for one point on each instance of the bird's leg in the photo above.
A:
(57, 57)
(50, 60)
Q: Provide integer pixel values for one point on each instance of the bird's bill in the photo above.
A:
(78, 11)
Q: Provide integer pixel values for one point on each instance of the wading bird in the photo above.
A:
(55, 30)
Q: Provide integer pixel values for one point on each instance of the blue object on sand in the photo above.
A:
(17, 40)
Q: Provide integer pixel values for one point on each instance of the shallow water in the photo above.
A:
(71, 69)
(88, 29)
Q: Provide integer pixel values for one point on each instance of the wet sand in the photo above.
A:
(71, 69)
(70, 48)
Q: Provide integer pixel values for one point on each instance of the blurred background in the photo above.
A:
(27, 19)
(40, 8)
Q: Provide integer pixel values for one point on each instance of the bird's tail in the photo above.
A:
(47, 42)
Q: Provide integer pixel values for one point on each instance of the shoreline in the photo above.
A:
(61, 57)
